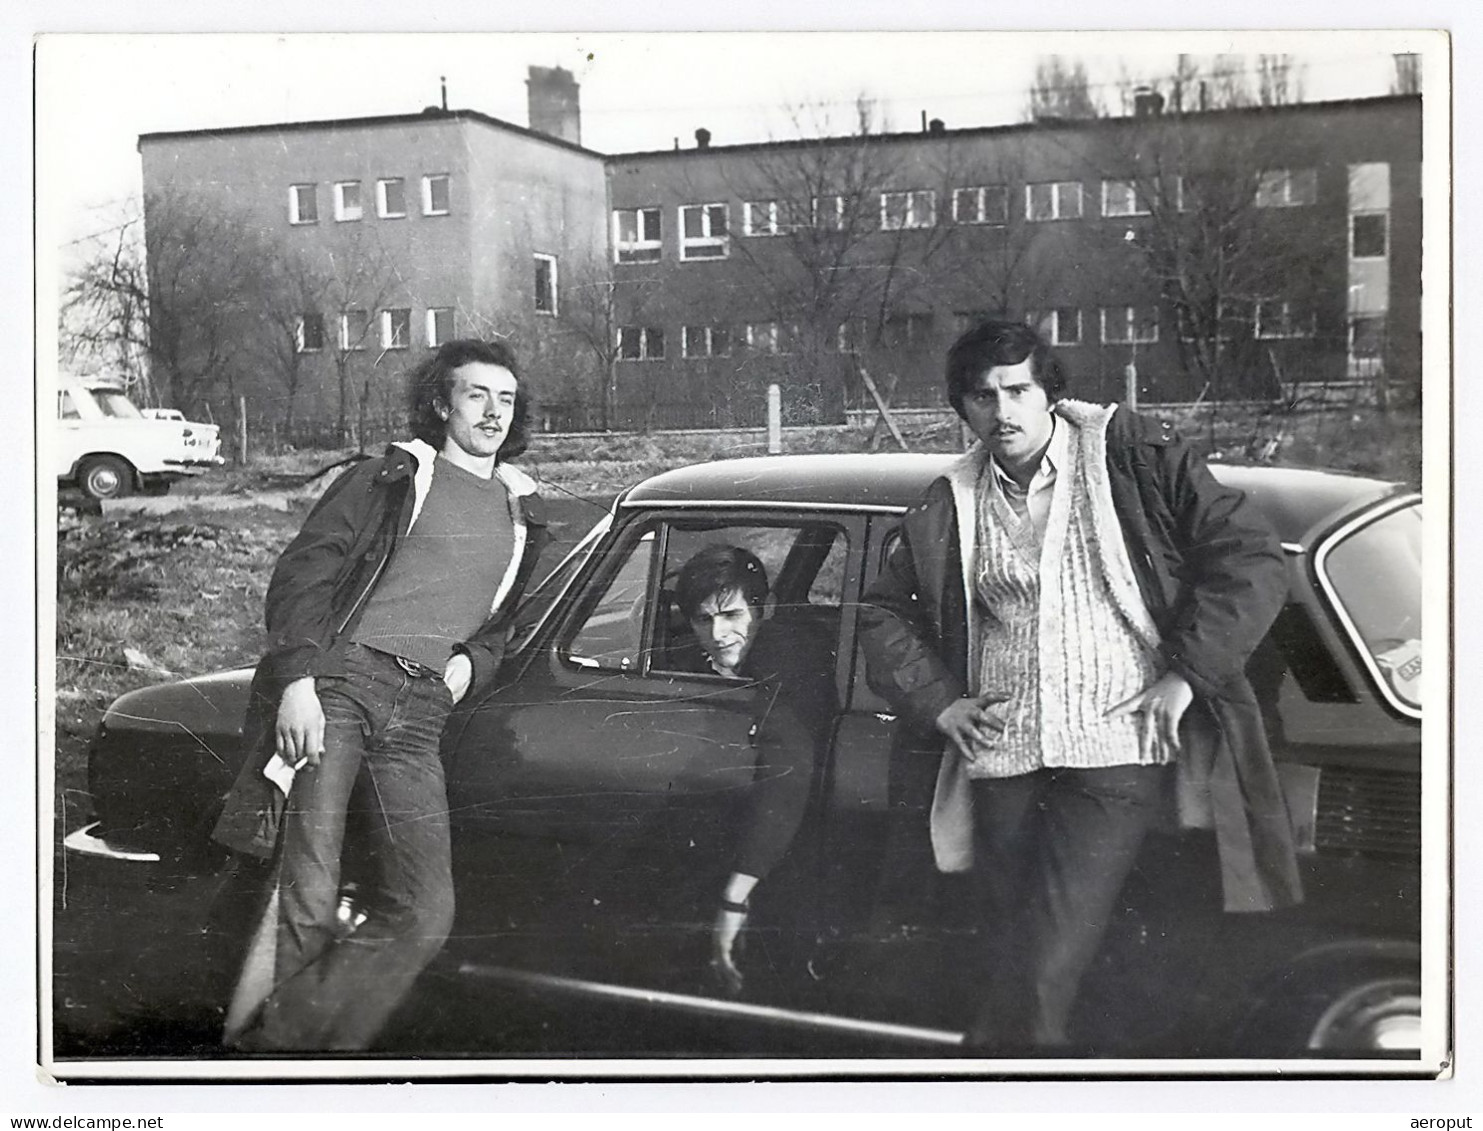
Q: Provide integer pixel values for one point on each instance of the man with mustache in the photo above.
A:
(385, 611)
(1066, 619)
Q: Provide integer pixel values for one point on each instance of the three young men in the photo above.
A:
(1066, 618)
(384, 612)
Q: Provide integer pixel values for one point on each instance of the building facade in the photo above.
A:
(1172, 257)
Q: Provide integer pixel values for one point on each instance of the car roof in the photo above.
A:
(1292, 499)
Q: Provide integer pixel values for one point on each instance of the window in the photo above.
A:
(1287, 188)
(347, 200)
(1373, 574)
(1130, 324)
(1122, 198)
(116, 403)
(637, 235)
(309, 333)
(984, 204)
(435, 195)
(1228, 321)
(439, 325)
(906, 330)
(762, 337)
(706, 341)
(391, 198)
(1061, 326)
(545, 284)
(1278, 318)
(915, 209)
(1053, 200)
(303, 204)
(761, 218)
(396, 329)
(640, 343)
(67, 408)
(834, 213)
(612, 635)
(703, 230)
(1369, 235)
(354, 325)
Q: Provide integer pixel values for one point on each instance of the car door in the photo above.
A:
(596, 797)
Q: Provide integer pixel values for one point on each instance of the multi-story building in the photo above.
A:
(1170, 256)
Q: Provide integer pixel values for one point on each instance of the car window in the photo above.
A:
(66, 410)
(805, 566)
(1372, 572)
(612, 633)
(541, 599)
(116, 404)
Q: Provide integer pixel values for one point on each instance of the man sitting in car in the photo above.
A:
(722, 593)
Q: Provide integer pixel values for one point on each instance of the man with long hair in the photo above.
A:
(384, 612)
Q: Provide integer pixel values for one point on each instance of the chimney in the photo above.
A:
(937, 127)
(702, 138)
(1147, 102)
(552, 101)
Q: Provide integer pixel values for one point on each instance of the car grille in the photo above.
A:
(1375, 812)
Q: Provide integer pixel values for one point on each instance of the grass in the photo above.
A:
(187, 589)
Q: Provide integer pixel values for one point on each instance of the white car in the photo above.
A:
(108, 448)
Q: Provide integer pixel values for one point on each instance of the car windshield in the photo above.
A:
(538, 602)
(115, 403)
(1373, 573)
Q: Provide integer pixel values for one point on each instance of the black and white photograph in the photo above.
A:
(744, 554)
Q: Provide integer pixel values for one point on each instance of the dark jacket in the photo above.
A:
(793, 662)
(1213, 578)
(317, 594)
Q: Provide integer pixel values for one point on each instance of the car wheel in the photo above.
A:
(105, 477)
(1359, 1011)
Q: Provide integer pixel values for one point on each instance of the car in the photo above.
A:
(596, 788)
(108, 448)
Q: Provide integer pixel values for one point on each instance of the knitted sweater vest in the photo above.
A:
(1053, 640)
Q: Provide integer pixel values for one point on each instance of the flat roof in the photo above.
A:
(431, 114)
(1020, 127)
(434, 114)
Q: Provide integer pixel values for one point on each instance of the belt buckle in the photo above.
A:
(413, 668)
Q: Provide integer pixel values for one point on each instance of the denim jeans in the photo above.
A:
(333, 987)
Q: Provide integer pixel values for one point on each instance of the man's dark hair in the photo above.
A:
(718, 571)
(430, 388)
(1000, 342)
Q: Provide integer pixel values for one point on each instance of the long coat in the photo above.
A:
(1211, 574)
(317, 595)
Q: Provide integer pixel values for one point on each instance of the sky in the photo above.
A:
(639, 91)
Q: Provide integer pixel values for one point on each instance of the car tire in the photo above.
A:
(1359, 1010)
(105, 477)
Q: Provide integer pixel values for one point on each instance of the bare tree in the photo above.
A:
(839, 233)
(1206, 237)
(103, 320)
(1061, 90)
(1279, 80)
(359, 278)
(1407, 78)
(294, 328)
(593, 307)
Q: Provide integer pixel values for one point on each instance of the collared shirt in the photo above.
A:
(1032, 504)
